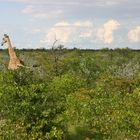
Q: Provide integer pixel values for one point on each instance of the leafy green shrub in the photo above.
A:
(106, 116)
(76, 97)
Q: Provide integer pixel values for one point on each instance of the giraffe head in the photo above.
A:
(5, 39)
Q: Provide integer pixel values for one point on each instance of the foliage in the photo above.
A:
(72, 95)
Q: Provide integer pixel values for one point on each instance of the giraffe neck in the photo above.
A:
(11, 51)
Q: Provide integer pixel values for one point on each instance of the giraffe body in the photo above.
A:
(14, 64)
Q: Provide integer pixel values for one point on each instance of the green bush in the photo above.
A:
(82, 95)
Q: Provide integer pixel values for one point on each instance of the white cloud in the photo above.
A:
(105, 33)
(62, 34)
(83, 24)
(66, 32)
(61, 31)
(134, 34)
(86, 28)
(86, 34)
(40, 12)
(62, 24)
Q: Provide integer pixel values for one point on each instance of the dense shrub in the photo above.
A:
(82, 95)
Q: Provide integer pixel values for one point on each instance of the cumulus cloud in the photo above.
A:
(105, 33)
(61, 31)
(40, 12)
(85, 27)
(62, 24)
(66, 32)
(134, 35)
(62, 34)
(86, 34)
(83, 24)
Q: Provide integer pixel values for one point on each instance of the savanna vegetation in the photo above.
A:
(71, 95)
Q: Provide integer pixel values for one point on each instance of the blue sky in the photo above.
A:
(84, 24)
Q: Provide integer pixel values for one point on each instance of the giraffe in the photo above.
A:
(14, 62)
